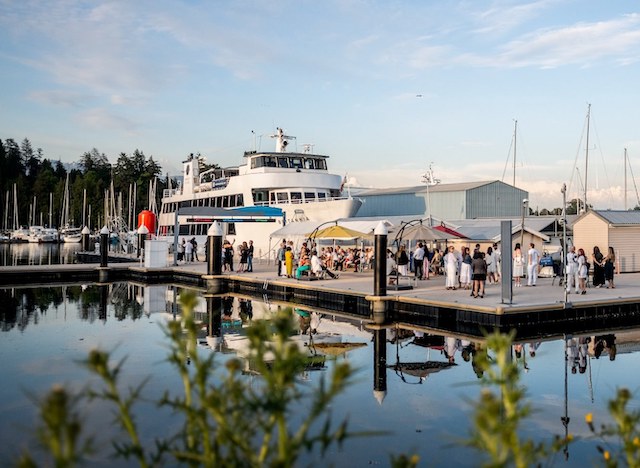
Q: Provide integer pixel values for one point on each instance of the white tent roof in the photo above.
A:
(304, 228)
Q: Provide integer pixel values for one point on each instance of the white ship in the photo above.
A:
(297, 183)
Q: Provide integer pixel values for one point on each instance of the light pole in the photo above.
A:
(525, 205)
(563, 260)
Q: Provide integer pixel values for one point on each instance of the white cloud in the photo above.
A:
(100, 118)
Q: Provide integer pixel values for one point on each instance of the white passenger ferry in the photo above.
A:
(298, 184)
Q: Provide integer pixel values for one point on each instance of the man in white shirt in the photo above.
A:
(532, 265)
(418, 260)
(572, 269)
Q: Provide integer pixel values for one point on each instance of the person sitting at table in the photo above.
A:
(317, 268)
(303, 265)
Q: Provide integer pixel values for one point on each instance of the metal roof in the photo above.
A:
(456, 187)
(619, 217)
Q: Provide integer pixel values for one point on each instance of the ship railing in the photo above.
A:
(301, 202)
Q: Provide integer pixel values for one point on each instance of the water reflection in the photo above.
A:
(419, 379)
(37, 254)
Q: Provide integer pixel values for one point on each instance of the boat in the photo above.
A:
(297, 183)
(68, 233)
(41, 235)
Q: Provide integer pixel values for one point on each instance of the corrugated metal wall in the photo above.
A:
(412, 204)
(495, 200)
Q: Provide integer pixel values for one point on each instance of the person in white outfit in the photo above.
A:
(451, 268)
(533, 257)
(572, 270)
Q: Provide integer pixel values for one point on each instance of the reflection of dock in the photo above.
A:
(94, 257)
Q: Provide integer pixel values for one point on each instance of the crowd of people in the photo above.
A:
(578, 267)
(325, 261)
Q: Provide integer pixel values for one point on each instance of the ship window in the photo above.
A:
(309, 196)
(273, 197)
(321, 164)
(231, 229)
(185, 204)
(283, 162)
(254, 163)
(283, 197)
(269, 161)
(322, 195)
(260, 196)
(296, 197)
(308, 163)
(184, 229)
(225, 201)
(296, 162)
(240, 200)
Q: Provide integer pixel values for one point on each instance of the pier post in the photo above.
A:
(380, 364)
(380, 256)
(86, 239)
(142, 235)
(104, 246)
(214, 249)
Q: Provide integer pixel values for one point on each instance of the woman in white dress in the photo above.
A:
(518, 266)
(583, 271)
(451, 268)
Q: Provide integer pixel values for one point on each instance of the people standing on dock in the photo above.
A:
(244, 255)
(533, 263)
(598, 267)
(403, 261)
(465, 269)
(583, 271)
(497, 254)
(451, 269)
(280, 257)
(518, 265)
(572, 270)
(227, 248)
(194, 244)
(418, 260)
(478, 274)
(609, 267)
(188, 252)
(250, 257)
(491, 266)
(181, 251)
(288, 262)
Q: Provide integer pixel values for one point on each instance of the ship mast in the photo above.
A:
(515, 146)
(586, 163)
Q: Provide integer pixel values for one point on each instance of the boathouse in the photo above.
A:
(619, 229)
(466, 200)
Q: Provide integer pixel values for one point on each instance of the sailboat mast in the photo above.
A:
(625, 179)
(515, 147)
(586, 162)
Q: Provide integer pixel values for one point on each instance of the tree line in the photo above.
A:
(36, 177)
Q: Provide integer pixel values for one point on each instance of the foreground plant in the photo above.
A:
(501, 410)
(225, 420)
(620, 440)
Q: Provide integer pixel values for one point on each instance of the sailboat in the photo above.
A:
(68, 233)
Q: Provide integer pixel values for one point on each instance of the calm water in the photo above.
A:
(37, 254)
(48, 330)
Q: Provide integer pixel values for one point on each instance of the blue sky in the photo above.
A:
(385, 88)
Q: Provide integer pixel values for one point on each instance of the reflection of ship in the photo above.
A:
(297, 183)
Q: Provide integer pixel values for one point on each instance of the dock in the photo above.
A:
(535, 312)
